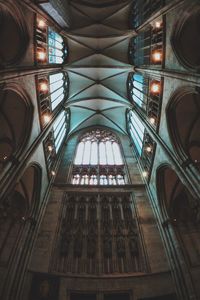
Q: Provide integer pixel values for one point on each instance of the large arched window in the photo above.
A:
(146, 94)
(98, 160)
(51, 47)
(147, 48)
(52, 92)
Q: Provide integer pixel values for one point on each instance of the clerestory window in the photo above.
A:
(136, 129)
(51, 47)
(57, 49)
(98, 160)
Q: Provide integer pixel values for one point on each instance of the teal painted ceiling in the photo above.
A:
(98, 65)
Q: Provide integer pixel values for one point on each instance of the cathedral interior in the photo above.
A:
(99, 149)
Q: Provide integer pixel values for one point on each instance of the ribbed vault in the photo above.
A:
(98, 65)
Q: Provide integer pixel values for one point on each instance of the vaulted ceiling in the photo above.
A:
(98, 65)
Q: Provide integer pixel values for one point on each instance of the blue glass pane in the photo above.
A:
(56, 47)
(138, 89)
(136, 130)
(59, 130)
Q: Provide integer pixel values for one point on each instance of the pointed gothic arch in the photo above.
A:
(13, 25)
(19, 208)
(180, 209)
(183, 122)
(16, 114)
(185, 38)
(98, 159)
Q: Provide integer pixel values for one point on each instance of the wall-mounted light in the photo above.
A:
(158, 24)
(41, 55)
(152, 120)
(156, 56)
(148, 149)
(46, 118)
(155, 87)
(144, 174)
(50, 148)
(43, 87)
(41, 23)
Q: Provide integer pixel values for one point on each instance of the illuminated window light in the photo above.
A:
(41, 23)
(41, 55)
(158, 24)
(148, 149)
(50, 148)
(43, 87)
(157, 56)
(152, 120)
(144, 174)
(46, 118)
(155, 87)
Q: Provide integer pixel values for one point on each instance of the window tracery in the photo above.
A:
(98, 160)
(143, 142)
(54, 140)
(143, 9)
(51, 47)
(52, 91)
(147, 48)
(95, 237)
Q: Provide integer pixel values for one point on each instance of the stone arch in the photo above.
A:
(13, 25)
(17, 209)
(185, 38)
(16, 115)
(183, 119)
(179, 208)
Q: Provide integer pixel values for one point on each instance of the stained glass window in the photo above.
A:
(98, 160)
(136, 129)
(57, 51)
(60, 129)
(58, 87)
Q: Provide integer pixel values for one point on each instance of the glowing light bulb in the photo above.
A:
(53, 173)
(5, 157)
(157, 56)
(46, 118)
(50, 148)
(148, 149)
(41, 55)
(152, 120)
(43, 87)
(155, 88)
(158, 24)
(144, 173)
(41, 23)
